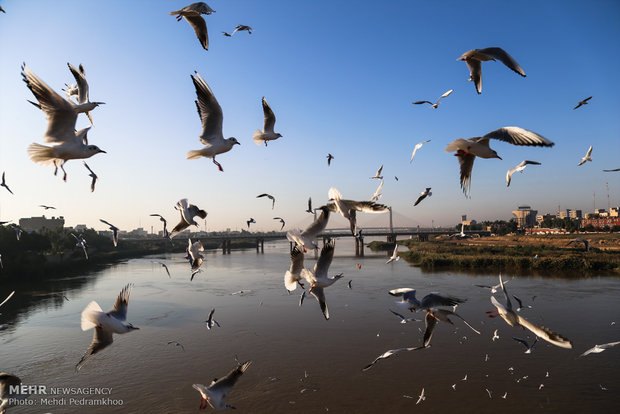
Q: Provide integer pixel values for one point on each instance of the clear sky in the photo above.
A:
(340, 77)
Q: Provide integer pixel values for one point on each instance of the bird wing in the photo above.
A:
(297, 261)
(82, 85)
(325, 259)
(519, 136)
(422, 102)
(101, 339)
(422, 197)
(430, 321)
(210, 112)
(546, 334)
(467, 164)
(270, 119)
(475, 73)
(317, 225)
(119, 310)
(433, 300)
(446, 94)
(503, 56)
(376, 195)
(194, 211)
(589, 152)
(200, 28)
(365, 206)
(225, 384)
(319, 295)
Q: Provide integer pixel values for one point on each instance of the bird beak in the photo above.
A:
(134, 327)
(102, 151)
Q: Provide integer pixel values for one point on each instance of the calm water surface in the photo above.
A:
(302, 363)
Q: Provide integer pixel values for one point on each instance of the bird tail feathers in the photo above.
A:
(257, 137)
(194, 154)
(88, 315)
(41, 154)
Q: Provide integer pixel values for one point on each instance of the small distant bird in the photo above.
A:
(192, 14)
(468, 149)
(212, 118)
(388, 354)
(493, 288)
(586, 244)
(47, 207)
(215, 393)
(396, 178)
(436, 104)
(195, 258)
(92, 175)
(488, 392)
(250, 221)
(114, 231)
(495, 336)
(18, 231)
(378, 175)
(421, 397)
(162, 219)
(81, 242)
(349, 284)
(212, 322)
(505, 395)
(177, 344)
(105, 323)
(597, 349)
(519, 168)
(309, 209)
(267, 134)
(395, 256)
(402, 318)
(581, 103)
(281, 221)
(377, 195)
(423, 195)
(474, 58)
(417, 147)
(269, 196)
(616, 169)
(165, 268)
(3, 184)
(587, 157)
(82, 89)
(528, 348)
(226, 34)
(241, 28)
(188, 212)
(520, 302)
(330, 157)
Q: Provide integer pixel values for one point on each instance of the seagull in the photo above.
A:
(417, 147)
(587, 157)
(47, 207)
(188, 212)
(61, 117)
(584, 102)
(436, 104)
(7, 298)
(177, 344)
(114, 231)
(495, 336)
(226, 34)
(212, 118)
(597, 349)
(318, 278)
(215, 393)
(92, 175)
(586, 244)
(468, 149)
(474, 57)
(520, 167)
(81, 242)
(349, 284)
(250, 221)
(269, 196)
(615, 169)
(488, 392)
(195, 258)
(402, 318)
(505, 395)
(210, 321)
(377, 195)
(105, 323)
(309, 210)
(388, 354)
(520, 303)
(240, 28)
(82, 89)
(432, 316)
(192, 14)
(423, 195)
(18, 231)
(305, 239)
(378, 175)
(348, 208)
(432, 300)
(528, 348)
(513, 319)
(493, 288)
(2, 10)
(421, 397)
(281, 221)
(395, 256)
(165, 268)
(162, 219)
(330, 157)
(267, 134)
(3, 184)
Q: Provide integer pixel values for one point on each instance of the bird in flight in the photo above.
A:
(330, 157)
(215, 393)
(587, 158)
(519, 168)
(162, 219)
(583, 102)
(3, 184)
(436, 104)
(91, 175)
(423, 195)
(210, 321)
(192, 14)
(417, 147)
(281, 221)
(81, 89)
(474, 58)
(188, 212)
(378, 175)
(269, 196)
(46, 207)
(114, 231)
(250, 221)
(267, 134)
(81, 242)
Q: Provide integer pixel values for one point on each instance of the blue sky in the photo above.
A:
(340, 77)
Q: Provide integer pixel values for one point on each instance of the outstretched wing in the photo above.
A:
(119, 310)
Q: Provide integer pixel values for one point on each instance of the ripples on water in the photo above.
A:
(286, 342)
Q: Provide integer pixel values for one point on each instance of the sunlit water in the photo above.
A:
(301, 362)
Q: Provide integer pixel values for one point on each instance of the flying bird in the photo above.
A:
(377, 195)
(114, 231)
(586, 244)
(616, 169)
(192, 14)
(61, 117)
(474, 58)
(18, 231)
(520, 302)
(402, 318)
(395, 256)
(587, 157)
(348, 208)
(318, 278)
(417, 147)
(421, 397)
(82, 89)
(378, 175)
(495, 336)
(468, 149)
(281, 221)
(91, 175)
(432, 300)
(305, 239)
(581, 103)
(241, 28)
(81, 242)
(269, 196)
(597, 349)
(194, 256)
(3, 184)
(215, 393)
(293, 276)
(493, 288)
(105, 323)
(212, 118)
(519, 168)
(165, 268)
(309, 209)
(177, 344)
(434, 315)
(210, 321)
(388, 354)
(188, 212)
(250, 221)
(330, 157)
(513, 319)
(528, 348)
(163, 220)
(423, 195)
(436, 104)
(47, 207)
(267, 134)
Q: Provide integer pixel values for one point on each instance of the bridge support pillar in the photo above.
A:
(260, 245)
(228, 246)
(422, 237)
(359, 246)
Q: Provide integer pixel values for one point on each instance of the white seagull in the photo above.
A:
(210, 321)
(215, 393)
(91, 175)
(192, 14)
(267, 134)
(475, 57)
(293, 277)
(587, 157)
(468, 149)
(114, 231)
(519, 168)
(423, 195)
(165, 268)
(348, 208)
(81, 242)
(436, 104)
(212, 119)
(402, 318)
(281, 221)
(421, 397)
(61, 115)
(305, 239)
(597, 349)
(163, 220)
(378, 175)
(105, 323)
(388, 354)
(194, 256)
(7, 298)
(82, 90)
(188, 212)
(318, 277)
(395, 256)
(177, 344)
(417, 147)
(377, 195)
(269, 196)
(18, 231)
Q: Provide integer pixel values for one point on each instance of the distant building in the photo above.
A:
(575, 214)
(526, 217)
(81, 227)
(614, 212)
(601, 222)
(39, 224)
(139, 232)
(542, 217)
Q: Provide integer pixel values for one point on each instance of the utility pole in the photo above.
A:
(594, 202)
(608, 202)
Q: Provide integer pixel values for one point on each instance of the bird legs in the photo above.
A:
(203, 403)
(64, 177)
(218, 164)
